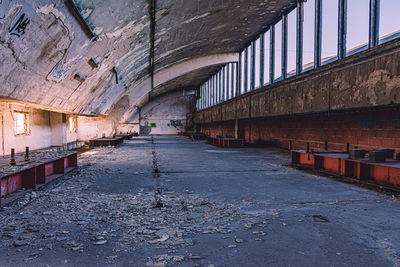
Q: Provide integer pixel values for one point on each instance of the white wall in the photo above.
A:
(165, 112)
(40, 130)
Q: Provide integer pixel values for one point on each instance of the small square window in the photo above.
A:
(21, 123)
(72, 124)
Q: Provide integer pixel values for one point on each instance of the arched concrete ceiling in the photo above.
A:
(42, 64)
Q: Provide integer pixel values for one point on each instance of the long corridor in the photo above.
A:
(169, 201)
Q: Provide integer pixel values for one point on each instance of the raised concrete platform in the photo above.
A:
(337, 163)
(44, 167)
(107, 141)
(225, 141)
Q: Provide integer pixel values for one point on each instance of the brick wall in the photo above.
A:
(365, 129)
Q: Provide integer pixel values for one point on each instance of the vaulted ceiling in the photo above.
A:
(48, 64)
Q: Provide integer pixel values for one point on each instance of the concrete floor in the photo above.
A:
(222, 207)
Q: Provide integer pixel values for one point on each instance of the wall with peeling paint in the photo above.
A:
(39, 124)
(166, 114)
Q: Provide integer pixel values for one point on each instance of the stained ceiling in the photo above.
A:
(53, 53)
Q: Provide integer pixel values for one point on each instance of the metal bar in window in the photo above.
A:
(253, 66)
(342, 29)
(246, 76)
(232, 80)
(272, 54)
(318, 33)
(284, 45)
(299, 37)
(223, 84)
(262, 58)
(239, 74)
(374, 22)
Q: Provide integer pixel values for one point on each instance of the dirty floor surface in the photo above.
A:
(168, 201)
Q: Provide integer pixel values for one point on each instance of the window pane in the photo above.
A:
(242, 73)
(257, 65)
(308, 35)
(267, 41)
(226, 81)
(330, 24)
(389, 27)
(249, 67)
(278, 51)
(19, 126)
(212, 90)
(235, 66)
(292, 33)
(357, 26)
(223, 76)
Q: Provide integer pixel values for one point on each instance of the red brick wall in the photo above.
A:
(222, 128)
(367, 130)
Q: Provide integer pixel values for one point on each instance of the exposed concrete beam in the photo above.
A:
(188, 66)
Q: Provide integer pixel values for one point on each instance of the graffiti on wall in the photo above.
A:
(18, 28)
(175, 123)
(58, 74)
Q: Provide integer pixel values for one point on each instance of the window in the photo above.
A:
(214, 90)
(249, 68)
(308, 35)
(21, 123)
(230, 71)
(267, 49)
(242, 72)
(292, 43)
(330, 25)
(235, 80)
(389, 24)
(357, 37)
(227, 82)
(72, 124)
(257, 67)
(209, 93)
(278, 51)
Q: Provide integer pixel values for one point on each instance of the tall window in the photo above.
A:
(292, 34)
(242, 72)
(267, 49)
(230, 71)
(389, 24)
(21, 123)
(227, 81)
(357, 26)
(249, 67)
(257, 69)
(235, 79)
(308, 35)
(330, 15)
(278, 51)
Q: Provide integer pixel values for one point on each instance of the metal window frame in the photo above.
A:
(284, 52)
(342, 31)
(262, 58)
(374, 13)
(299, 37)
(272, 54)
(223, 83)
(235, 80)
(253, 65)
(318, 33)
(245, 73)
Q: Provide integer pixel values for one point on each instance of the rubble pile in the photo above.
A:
(70, 215)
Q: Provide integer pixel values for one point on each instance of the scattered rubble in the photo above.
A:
(71, 216)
